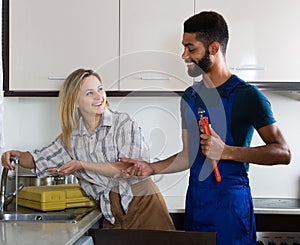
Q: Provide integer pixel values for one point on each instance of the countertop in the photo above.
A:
(28, 233)
(276, 206)
(176, 204)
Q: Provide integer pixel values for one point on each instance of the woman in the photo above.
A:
(93, 138)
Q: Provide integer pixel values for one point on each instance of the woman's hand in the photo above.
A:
(67, 169)
(6, 158)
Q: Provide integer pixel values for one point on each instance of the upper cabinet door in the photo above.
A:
(50, 39)
(263, 37)
(150, 44)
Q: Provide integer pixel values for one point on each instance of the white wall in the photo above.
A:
(281, 181)
(33, 122)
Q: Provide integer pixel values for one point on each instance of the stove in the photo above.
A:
(278, 238)
(277, 221)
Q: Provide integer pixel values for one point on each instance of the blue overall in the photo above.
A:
(224, 207)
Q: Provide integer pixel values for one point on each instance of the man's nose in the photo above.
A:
(185, 54)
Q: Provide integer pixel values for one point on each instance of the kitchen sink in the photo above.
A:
(46, 217)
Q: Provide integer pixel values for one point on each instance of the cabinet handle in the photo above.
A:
(56, 78)
(248, 68)
(155, 78)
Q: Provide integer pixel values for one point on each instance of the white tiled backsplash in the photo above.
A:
(33, 122)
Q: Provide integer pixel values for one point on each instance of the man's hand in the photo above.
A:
(212, 145)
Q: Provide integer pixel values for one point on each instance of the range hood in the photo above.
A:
(277, 86)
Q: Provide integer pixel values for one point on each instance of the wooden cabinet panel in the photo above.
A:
(150, 44)
(50, 39)
(137, 45)
(263, 37)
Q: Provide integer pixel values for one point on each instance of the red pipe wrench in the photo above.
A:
(204, 127)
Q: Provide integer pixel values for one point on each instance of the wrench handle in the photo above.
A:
(204, 125)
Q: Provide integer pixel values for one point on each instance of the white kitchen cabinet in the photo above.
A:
(263, 38)
(50, 39)
(150, 44)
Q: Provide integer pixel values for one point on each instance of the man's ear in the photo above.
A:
(214, 48)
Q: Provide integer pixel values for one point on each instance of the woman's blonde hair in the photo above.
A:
(68, 95)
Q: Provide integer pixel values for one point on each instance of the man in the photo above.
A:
(234, 108)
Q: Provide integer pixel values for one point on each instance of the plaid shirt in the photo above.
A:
(116, 136)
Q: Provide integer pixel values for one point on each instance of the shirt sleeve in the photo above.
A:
(52, 156)
(260, 111)
(183, 105)
(130, 140)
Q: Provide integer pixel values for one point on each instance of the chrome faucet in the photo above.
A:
(6, 199)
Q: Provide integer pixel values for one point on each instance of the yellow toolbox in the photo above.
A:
(54, 197)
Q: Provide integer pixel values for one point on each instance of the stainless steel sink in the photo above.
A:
(49, 217)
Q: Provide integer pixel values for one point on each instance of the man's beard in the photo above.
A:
(202, 67)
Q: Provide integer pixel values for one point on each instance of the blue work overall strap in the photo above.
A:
(208, 203)
(218, 108)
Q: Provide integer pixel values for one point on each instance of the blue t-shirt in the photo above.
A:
(250, 110)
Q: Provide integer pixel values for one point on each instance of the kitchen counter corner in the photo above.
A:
(27, 233)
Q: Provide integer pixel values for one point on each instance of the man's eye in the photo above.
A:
(191, 50)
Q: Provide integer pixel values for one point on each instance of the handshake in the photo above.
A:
(133, 167)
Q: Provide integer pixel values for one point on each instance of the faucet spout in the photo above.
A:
(5, 199)
(3, 189)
